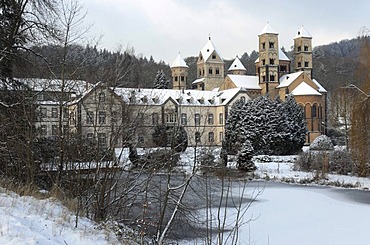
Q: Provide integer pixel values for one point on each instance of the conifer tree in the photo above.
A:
(160, 81)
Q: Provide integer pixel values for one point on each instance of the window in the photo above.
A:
(313, 111)
(54, 130)
(211, 137)
(54, 112)
(242, 99)
(210, 119)
(101, 97)
(286, 90)
(217, 71)
(263, 62)
(263, 78)
(182, 78)
(155, 119)
(221, 118)
(171, 118)
(272, 61)
(43, 112)
(213, 56)
(272, 78)
(102, 140)
(175, 78)
(210, 71)
(43, 130)
(221, 136)
(299, 64)
(271, 44)
(305, 48)
(183, 119)
(102, 116)
(283, 68)
(89, 117)
(299, 48)
(306, 64)
(263, 45)
(197, 119)
(197, 136)
(200, 72)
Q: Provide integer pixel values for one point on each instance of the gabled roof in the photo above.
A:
(321, 88)
(208, 49)
(237, 65)
(179, 62)
(268, 29)
(304, 89)
(282, 55)
(303, 33)
(287, 79)
(244, 81)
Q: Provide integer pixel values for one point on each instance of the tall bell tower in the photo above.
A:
(268, 65)
(303, 52)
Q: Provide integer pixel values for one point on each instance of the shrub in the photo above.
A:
(245, 155)
(322, 143)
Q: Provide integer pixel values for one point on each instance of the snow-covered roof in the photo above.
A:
(55, 85)
(303, 33)
(199, 80)
(208, 49)
(321, 88)
(305, 89)
(244, 81)
(287, 79)
(180, 97)
(282, 55)
(179, 62)
(237, 65)
(268, 29)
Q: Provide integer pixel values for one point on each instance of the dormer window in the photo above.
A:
(271, 44)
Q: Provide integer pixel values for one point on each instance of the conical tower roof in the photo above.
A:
(268, 29)
(303, 33)
(179, 62)
(237, 65)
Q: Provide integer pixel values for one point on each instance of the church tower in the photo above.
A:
(179, 70)
(210, 68)
(268, 64)
(303, 52)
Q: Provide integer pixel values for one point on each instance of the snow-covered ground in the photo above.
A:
(27, 220)
(287, 214)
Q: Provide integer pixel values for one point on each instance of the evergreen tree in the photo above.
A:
(160, 135)
(160, 81)
(180, 140)
(245, 155)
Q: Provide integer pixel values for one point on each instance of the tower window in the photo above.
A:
(263, 45)
(305, 48)
(271, 44)
(176, 79)
(299, 64)
(272, 78)
(210, 71)
(217, 71)
(213, 56)
(306, 64)
(264, 78)
(263, 62)
(272, 61)
(182, 78)
(299, 48)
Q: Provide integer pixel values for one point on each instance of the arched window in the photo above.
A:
(210, 71)
(314, 110)
(217, 71)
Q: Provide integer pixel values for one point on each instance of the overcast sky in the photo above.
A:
(162, 28)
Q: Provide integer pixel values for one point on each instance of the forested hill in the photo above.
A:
(334, 64)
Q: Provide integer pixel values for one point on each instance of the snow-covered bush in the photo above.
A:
(322, 143)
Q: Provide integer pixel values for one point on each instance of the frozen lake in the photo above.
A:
(305, 215)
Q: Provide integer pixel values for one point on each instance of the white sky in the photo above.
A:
(162, 28)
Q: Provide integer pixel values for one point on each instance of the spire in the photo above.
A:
(179, 62)
(303, 33)
(268, 29)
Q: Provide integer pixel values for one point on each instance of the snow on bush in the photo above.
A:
(322, 143)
